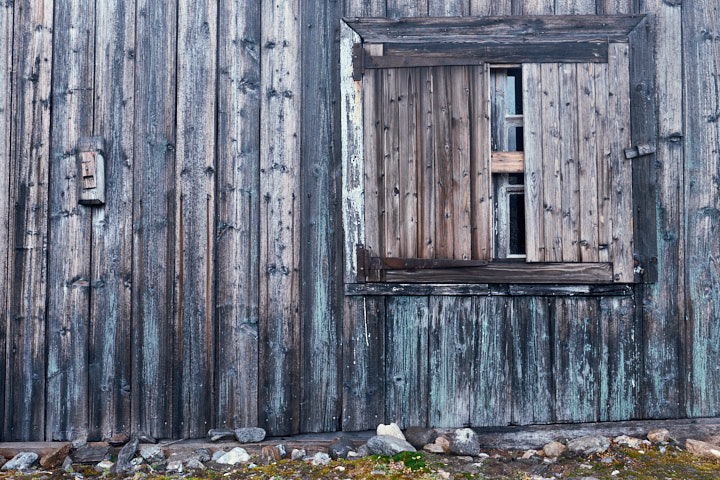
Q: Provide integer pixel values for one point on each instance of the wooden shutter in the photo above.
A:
(427, 162)
(578, 201)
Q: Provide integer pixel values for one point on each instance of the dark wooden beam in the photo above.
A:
(497, 289)
(405, 61)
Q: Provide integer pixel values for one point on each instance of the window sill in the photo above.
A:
(495, 289)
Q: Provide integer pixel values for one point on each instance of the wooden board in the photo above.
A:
(570, 158)
(551, 143)
(533, 143)
(507, 162)
(514, 289)
(109, 348)
(480, 170)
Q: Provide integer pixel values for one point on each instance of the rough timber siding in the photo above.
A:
(208, 290)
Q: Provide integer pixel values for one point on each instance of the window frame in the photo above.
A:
(498, 40)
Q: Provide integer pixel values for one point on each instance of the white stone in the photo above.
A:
(659, 435)
(391, 430)
(553, 449)
(529, 454)
(104, 465)
(626, 441)
(234, 456)
(152, 454)
(297, 454)
(320, 458)
(21, 461)
(217, 455)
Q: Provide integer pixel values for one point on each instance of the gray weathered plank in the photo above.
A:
(280, 213)
(406, 360)
(391, 161)
(406, 79)
(406, 8)
(461, 164)
(442, 104)
(238, 214)
(69, 251)
(533, 143)
(452, 347)
(154, 218)
(480, 173)
(374, 164)
(569, 160)
(604, 162)
(109, 347)
(426, 164)
(552, 184)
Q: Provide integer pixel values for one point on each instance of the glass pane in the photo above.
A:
(517, 223)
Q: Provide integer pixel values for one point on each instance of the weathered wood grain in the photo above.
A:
(461, 165)
(442, 104)
(374, 165)
(6, 63)
(538, 7)
(154, 219)
(513, 289)
(569, 160)
(604, 162)
(406, 8)
(702, 66)
(452, 344)
(480, 165)
(237, 214)
(406, 360)
(321, 237)
(392, 230)
(575, 7)
(406, 79)
(426, 164)
(448, 8)
(109, 346)
(533, 143)
(280, 213)
(28, 223)
(552, 184)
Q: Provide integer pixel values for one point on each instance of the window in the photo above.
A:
(490, 150)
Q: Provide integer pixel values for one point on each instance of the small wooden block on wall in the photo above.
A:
(91, 171)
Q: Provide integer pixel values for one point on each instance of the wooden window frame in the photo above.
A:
(506, 40)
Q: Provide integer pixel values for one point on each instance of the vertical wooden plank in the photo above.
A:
(460, 124)
(491, 395)
(281, 83)
(552, 185)
(407, 356)
(569, 161)
(153, 214)
(426, 165)
(604, 161)
(109, 353)
(538, 7)
(481, 8)
(448, 8)
(619, 111)
(702, 67)
(452, 347)
(374, 161)
(238, 213)
(533, 142)
(407, 8)
(69, 247)
(28, 230)
(613, 7)
(321, 234)
(6, 62)
(197, 50)
(442, 104)
(364, 363)
(391, 160)
(364, 8)
(587, 163)
(574, 7)
(480, 174)
(407, 160)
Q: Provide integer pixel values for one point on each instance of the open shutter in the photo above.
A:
(427, 163)
(578, 202)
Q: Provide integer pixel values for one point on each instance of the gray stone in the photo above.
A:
(195, 464)
(217, 455)
(118, 440)
(250, 435)
(202, 454)
(175, 463)
(588, 445)
(420, 436)
(702, 449)
(340, 448)
(297, 454)
(626, 441)
(320, 458)
(152, 454)
(125, 456)
(388, 445)
(105, 465)
(363, 451)
(464, 442)
(553, 449)
(658, 435)
(434, 448)
(221, 434)
(3, 460)
(234, 456)
(67, 464)
(391, 430)
(21, 461)
(145, 438)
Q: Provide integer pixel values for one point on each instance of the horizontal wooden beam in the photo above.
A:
(496, 289)
(509, 272)
(507, 162)
(404, 61)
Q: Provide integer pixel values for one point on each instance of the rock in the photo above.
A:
(444, 442)
(221, 434)
(553, 449)
(529, 454)
(626, 441)
(125, 455)
(340, 448)
(702, 449)
(3, 460)
(67, 464)
(588, 445)
(21, 461)
(145, 438)
(363, 451)
(320, 458)
(104, 466)
(234, 456)
(195, 464)
(434, 448)
(202, 454)
(250, 435)
(217, 455)
(465, 458)
(418, 437)
(152, 454)
(56, 457)
(659, 435)
(272, 453)
(388, 445)
(118, 440)
(391, 430)
(175, 463)
(79, 442)
(464, 442)
(90, 453)
(296, 454)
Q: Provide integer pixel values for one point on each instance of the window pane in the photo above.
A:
(517, 223)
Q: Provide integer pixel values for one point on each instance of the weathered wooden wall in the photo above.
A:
(208, 290)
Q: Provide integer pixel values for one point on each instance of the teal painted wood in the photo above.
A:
(701, 23)
(238, 214)
(321, 242)
(491, 361)
(153, 391)
(406, 360)
(109, 346)
(452, 347)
